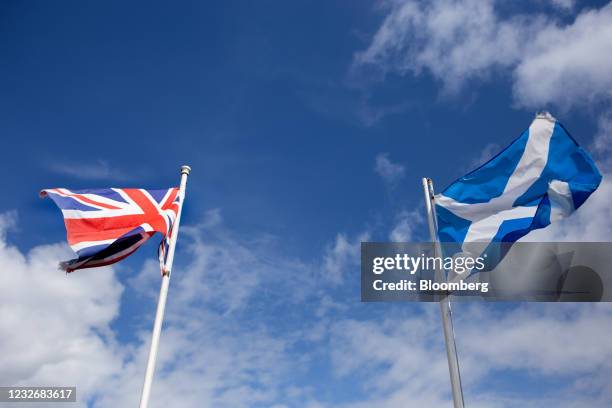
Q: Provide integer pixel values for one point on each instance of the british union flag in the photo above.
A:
(105, 226)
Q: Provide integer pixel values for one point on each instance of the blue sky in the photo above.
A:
(308, 126)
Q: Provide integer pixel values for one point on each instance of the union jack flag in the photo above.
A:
(105, 226)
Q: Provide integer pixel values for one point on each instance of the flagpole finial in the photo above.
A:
(185, 169)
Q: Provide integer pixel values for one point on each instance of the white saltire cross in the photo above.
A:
(487, 217)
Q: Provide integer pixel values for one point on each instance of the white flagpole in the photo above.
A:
(445, 307)
(163, 294)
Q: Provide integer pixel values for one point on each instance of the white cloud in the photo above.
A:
(552, 63)
(342, 255)
(225, 270)
(401, 358)
(390, 172)
(563, 4)
(55, 328)
(455, 41)
(221, 349)
(96, 170)
(8, 221)
(217, 348)
(509, 343)
(406, 226)
(205, 360)
(568, 65)
(603, 139)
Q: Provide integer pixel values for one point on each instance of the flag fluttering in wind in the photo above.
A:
(543, 176)
(106, 225)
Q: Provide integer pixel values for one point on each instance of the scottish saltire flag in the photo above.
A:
(104, 226)
(541, 177)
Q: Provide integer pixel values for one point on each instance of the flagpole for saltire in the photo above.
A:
(163, 294)
(445, 307)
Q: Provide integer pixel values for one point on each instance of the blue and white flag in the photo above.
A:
(541, 177)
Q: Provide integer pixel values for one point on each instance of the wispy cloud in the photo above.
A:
(96, 170)
(407, 226)
(344, 253)
(603, 139)
(566, 5)
(223, 347)
(349, 102)
(454, 40)
(390, 172)
(563, 342)
(486, 154)
(551, 62)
